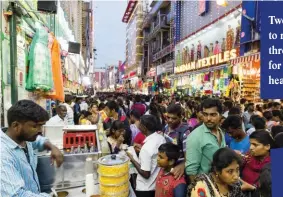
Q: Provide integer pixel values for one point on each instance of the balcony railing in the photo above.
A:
(157, 26)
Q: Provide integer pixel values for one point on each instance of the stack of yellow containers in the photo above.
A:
(114, 176)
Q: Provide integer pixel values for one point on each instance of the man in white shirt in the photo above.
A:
(147, 166)
(84, 105)
(60, 119)
(70, 111)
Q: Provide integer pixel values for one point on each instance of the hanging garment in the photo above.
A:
(58, 90)
(39, 75)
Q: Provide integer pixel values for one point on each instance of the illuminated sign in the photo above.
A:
(206, 62)
(129, 10)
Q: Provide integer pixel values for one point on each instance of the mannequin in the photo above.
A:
(216, 49)
(230, 38)
(238, 36)
(199, 50)
(206, 51)
(211, 49)
(187, 55)
(223, 45)
(183, 56)
(193, 53)
(179, 58)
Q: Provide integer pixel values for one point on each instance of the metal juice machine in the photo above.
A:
(77, 143)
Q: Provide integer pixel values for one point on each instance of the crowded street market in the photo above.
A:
(177, 112)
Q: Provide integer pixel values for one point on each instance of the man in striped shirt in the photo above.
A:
(18, 144)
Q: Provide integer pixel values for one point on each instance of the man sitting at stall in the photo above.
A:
(18, 158)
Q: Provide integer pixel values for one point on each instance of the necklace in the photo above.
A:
(216, 186)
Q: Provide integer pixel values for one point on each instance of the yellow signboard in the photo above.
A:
(208, 61)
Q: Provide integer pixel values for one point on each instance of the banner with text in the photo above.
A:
(271, 49)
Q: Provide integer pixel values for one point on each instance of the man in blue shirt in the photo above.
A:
(240, 140)
(18, 145)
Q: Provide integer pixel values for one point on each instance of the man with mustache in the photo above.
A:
(205, 140)
(18, 144)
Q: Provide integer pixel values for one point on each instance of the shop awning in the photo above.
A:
(246, 58)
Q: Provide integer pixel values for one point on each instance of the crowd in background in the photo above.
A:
(194, 146)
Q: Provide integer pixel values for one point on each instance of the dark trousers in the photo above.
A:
(145, 193)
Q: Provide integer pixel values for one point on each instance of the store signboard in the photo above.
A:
(165, 68)
(163, 52)
(207, 62)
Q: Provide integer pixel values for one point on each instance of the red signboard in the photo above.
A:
(130, 8)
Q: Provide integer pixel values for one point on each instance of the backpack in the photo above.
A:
(180, 136)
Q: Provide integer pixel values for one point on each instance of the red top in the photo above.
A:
(166, 184)
(139, 138)
(252, 169)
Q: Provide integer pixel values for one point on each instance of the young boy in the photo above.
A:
(166, 184)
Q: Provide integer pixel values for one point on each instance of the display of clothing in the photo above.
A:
(193, 53)
(179, 58)
(211, 49)
(58, 90)
(188, 54)
(216, 49)
(199, 50)
(238, 35)
(205, 51)
(39, 76)
(229, 38)
(223, 45)
(185, 56)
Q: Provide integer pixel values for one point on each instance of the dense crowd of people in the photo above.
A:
(185, 146)
(189, 146)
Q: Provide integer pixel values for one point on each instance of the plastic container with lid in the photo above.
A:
(113, 165)
(114, 175)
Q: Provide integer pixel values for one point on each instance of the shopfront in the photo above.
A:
(247, 67)
(164, 80)
(202, 61)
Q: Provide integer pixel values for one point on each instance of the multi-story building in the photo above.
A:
(134, 36)
(98, 78)
(158, 45)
